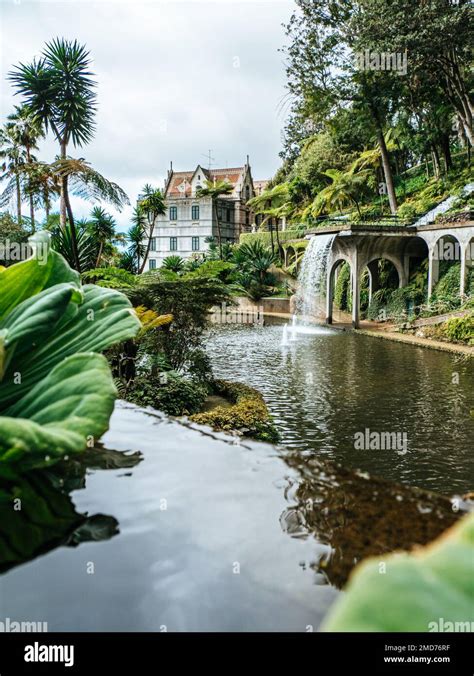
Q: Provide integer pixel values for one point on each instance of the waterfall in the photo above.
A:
(442, 207)
(312, 277)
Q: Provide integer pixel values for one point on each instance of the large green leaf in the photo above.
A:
(419, 591)
(58, 416)
(44, 269)
(34, 319)
(104, 318)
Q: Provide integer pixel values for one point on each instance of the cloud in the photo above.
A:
(174, 79)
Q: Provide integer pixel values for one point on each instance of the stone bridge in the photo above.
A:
(362, 246)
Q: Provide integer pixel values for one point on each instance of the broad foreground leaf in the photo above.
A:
(429, 590)
(60, 415)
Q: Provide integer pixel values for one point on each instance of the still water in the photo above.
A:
(328, 386)
(166, 527)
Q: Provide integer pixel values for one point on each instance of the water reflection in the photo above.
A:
(38, 515)
(325, 388)
(352, 516)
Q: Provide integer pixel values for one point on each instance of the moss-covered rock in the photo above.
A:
(248, 414)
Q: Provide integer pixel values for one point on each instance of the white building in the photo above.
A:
(189, 220)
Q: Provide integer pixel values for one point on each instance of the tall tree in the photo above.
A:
(214, 190)
(27, 128)
(59, 90)
(13, 158)
(151, 206)
(101, 226)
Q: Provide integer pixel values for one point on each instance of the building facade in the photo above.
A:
(190, 220)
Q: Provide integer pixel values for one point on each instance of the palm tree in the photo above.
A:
(87, 183)
(214, 189)
(61, 241)
(42, 184)
(173, 263)
(27, 129)
(102, 228)
(345, 188)
(273, 203)
(13, 158)
(59, 90)
(136, 234)
(151, 205)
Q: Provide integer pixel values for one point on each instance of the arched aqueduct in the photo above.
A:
(362, 246)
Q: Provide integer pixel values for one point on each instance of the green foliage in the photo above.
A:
(173, 263)
(111, 278)
(447, 289)
(212, 269)
(253, 262)
(420, 588)
(342, 293)
(457, 330)
(50, 327)
(189, 301)
(248, 415)
(168, 392)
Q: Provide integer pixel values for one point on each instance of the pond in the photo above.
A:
(329, 385)
(167, 527)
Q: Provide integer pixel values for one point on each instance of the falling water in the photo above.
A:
(312, 277)
(284, 336)
(293, 328)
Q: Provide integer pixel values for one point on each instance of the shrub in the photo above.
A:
(56, 392)
(460, 329)
(167, 392)
(342, 294)
(248, 415)
(406, 211)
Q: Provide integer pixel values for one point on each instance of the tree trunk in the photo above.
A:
(62, 200)
(72, 227)
(32, 208)
(387, 171)
(148, 247)
(270, 227)
(18, 199)
(99, 255)
(436, 163)
(32, 214)
(277, 238)
(219, 234)
(448, 160)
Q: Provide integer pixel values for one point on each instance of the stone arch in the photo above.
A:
(375, 283)
(446, 250)
(333, 265)
(396, 262)
(467, 267)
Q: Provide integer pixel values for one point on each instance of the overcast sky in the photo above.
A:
(175, 79)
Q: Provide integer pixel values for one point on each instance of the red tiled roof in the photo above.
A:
(232, 175)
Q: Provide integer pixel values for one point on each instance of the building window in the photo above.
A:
(247, 192)
(195, 212)
(173, 213)
(219, 213)
(247, 218)
(228, 215)
(152, 264)
(195, 244)
(173, 244)
(153, 244)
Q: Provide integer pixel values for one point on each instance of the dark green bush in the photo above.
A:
(168, 392)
